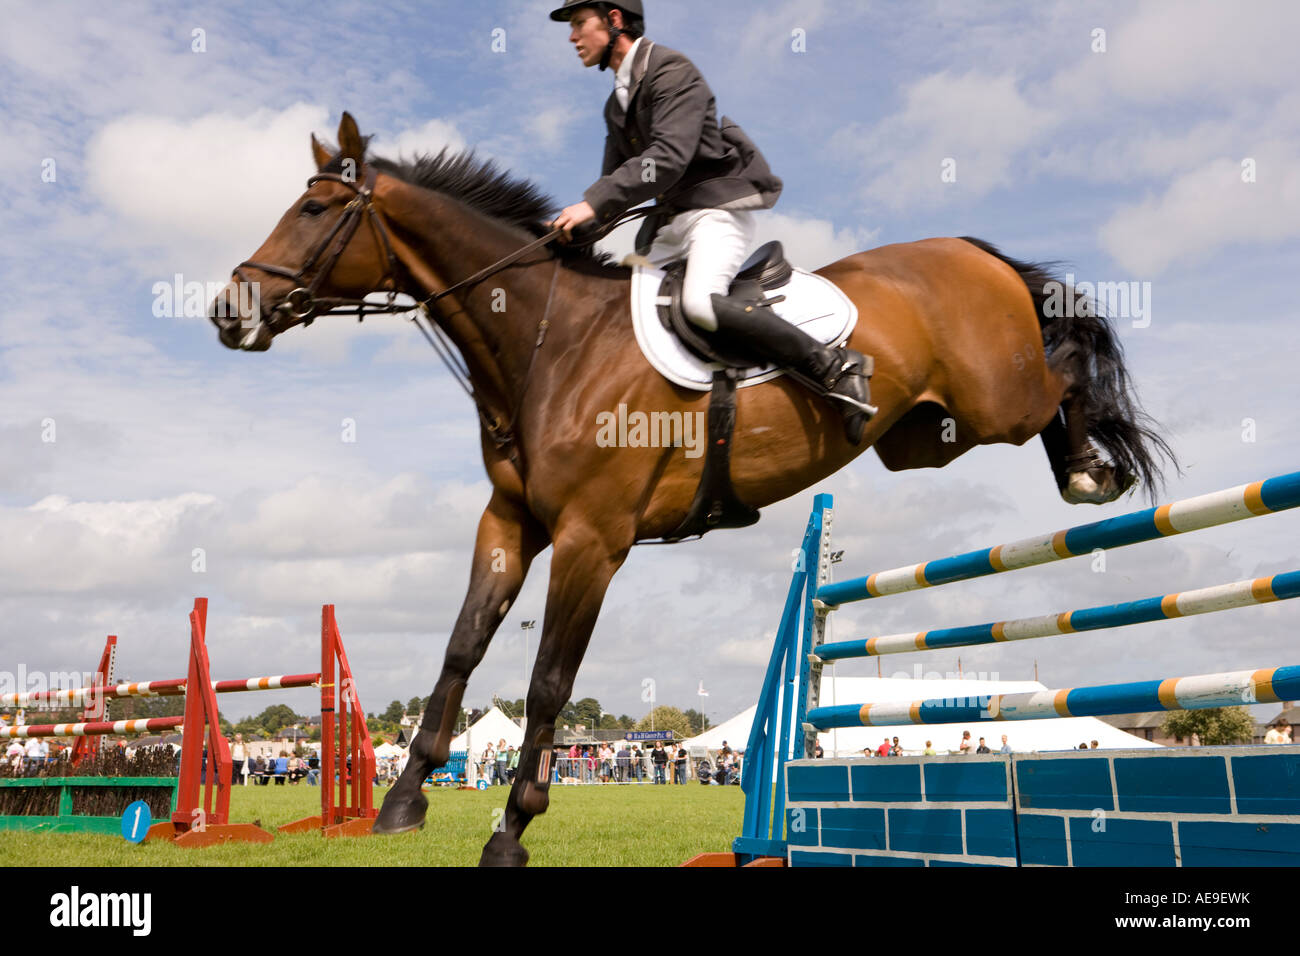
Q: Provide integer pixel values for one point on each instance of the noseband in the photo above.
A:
(302, 302)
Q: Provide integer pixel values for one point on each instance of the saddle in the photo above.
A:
(767, 268)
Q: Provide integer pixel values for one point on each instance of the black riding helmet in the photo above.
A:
(630, 8)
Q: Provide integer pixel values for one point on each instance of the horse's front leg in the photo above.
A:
(584, 560)
(508, 540)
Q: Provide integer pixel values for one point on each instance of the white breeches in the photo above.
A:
(714, 243)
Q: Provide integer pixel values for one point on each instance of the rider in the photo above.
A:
(664, 143)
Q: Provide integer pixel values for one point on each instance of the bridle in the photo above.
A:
(302, 302)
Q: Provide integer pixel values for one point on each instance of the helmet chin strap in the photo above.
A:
(614, 34)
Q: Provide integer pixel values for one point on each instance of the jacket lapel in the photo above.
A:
(639, 66)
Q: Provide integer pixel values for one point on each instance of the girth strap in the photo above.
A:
(716, 504)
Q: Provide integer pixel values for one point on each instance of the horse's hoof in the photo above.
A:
(1095, 486)
(400, 814)
(503, 850)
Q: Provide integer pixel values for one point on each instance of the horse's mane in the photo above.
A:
(484, 186)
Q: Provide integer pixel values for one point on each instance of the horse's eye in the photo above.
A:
(312, 208)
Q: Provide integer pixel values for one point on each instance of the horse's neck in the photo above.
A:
(493, 322)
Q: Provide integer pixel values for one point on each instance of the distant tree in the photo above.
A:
(697, 721)
(274, 719)
(587, 711)
(1213, 727)
(131, 708)
(512, 708)
(415, 706)
(394, 712)
(625, 722)
(667, 718)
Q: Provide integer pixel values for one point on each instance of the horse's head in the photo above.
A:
(317, 258)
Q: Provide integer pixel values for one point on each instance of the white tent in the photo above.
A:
(734, 731)
(1062, 733)
(388, 750)
(491, 728)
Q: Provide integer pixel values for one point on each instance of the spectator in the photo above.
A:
(33, 752)
(1274, 734)
(896, 750)
(502, 758)
(238, 757)
(817, 754)
(512, 765)
(983, 748)
(1083, 746)
(1094, 745)
(660, 758)
(681, 764)
(1006, 747)
(624, 763)
(965, 747)
(929, 749)
(883, 749)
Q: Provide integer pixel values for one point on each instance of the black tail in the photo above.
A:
(1085, 344)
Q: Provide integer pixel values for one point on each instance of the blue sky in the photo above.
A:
(1125, 162)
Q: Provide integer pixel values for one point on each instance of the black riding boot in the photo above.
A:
(839, 374)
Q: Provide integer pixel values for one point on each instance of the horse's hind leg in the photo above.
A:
(508, 540)
(584, 560)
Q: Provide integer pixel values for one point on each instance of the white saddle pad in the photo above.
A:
(814, 304)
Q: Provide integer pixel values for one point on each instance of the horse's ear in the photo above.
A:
(351, 145)
(319, 153)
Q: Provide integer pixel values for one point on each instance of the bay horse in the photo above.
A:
(966, 353)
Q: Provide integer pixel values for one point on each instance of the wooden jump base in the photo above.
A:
(844, 801)
(201, 814)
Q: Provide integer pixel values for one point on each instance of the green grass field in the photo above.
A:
(586, 826)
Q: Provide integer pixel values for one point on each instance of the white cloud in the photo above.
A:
(1207, 208)
(767, 33)
(429, 138)
(112, 546)
(1194, 51)
(812, 243)
(982, 122)
(217, 173)
(549, 127)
